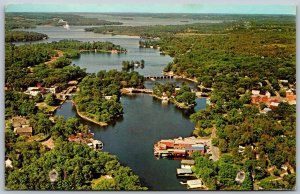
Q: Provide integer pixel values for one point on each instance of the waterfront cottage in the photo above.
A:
(188, 164)
(98, 145)
(194, 184)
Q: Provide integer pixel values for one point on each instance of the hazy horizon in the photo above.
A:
(155, 8)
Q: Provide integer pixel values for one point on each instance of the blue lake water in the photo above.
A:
(146, 120)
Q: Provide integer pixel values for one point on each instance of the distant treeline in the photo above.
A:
(31, 20)
(23, 36)
(240, 23)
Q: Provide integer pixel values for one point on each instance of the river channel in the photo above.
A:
(145, 121)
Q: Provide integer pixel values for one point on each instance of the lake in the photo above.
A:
(145, 121)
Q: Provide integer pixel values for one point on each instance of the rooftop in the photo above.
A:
(19, 121)
(23, 130)
(184, 171)
(188, 162)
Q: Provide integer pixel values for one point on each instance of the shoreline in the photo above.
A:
(81, 115)
(172, 100)
(170, 73)
(103, 51)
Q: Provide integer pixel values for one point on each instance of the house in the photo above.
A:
(19, 121)
(114, 51)
(284, 167)
(107, 97)
(187, 163)
(290, 95)
(73, 83)
(8, 163)
(164, 97)
(98, 145)
(266, 110)
(284, 82)
(33, 91)
(255, 92)
(54, 89)
(23, 131)
(241, 149)
(194, 184)
(274, 104)
(240, 177)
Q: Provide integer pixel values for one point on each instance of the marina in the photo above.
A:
(179, 147)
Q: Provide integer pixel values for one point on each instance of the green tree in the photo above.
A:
(50, 99)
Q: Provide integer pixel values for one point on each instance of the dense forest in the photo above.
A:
(31, 20)
(77, 166)
(22, 36)
(94, 88)
(232, 58)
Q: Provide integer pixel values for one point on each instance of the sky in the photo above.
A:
(155, 8)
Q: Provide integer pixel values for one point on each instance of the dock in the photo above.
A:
(179, 147)
(183, 172)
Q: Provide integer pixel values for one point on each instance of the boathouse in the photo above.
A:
(194, 184)
(184, 172)
(188, 164)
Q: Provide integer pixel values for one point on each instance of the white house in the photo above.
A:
(107, 97)
(255, 92)
(33, 91)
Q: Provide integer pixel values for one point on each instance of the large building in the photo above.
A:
(179, 147)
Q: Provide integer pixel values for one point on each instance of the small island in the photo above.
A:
(98, 98)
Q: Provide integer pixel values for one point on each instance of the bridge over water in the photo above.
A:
(159, 77)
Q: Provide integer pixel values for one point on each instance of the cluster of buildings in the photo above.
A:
(179, 147)
(21, 126)
(86, 138)
(186, 171)
(39, 90)
(272, 102)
